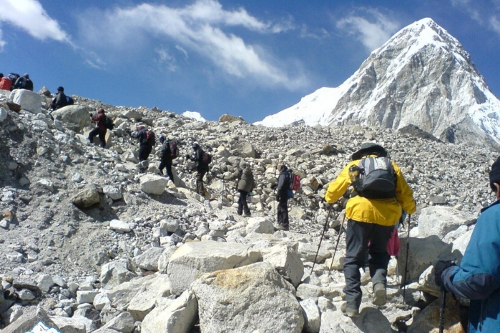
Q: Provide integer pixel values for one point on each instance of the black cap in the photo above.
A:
(60, 88)
(369, 148)
(495, 174)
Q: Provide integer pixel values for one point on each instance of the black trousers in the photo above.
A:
(167, 163)
(283, 210)
(144, 151)
(199, 181)
(102, 136)
(357, 236)
(242, 203)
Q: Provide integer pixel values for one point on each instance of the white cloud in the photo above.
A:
(186, 56)
(495, 24)
(372, 30)
(30, 16)
(2, 43)
(202, 27)
(164, 57)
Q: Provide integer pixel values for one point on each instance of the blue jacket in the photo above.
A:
(478, 276)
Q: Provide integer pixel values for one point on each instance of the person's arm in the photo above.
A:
(337, 188)
(404, 193)
(477, 277)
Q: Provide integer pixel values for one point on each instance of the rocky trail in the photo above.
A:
(90, 244)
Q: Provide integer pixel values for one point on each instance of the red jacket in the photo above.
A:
(101, 121)
(5, 83)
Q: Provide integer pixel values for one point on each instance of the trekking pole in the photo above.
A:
(336, 245)
(441, 312)
(406, 260)
(325, 227)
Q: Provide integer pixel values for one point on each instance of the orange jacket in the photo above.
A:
(5, 83)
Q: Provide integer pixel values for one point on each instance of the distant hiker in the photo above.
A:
(147, 140)
(478, 276)
(168, 152)
(24, 82)
(60, 99)
(283, 193)
(245, 184)
(5, 82)
(372, 214)
(202, 160)
(100, 129)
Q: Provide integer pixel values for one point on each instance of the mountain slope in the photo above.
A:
(421, 76)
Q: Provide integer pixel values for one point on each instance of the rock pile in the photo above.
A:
(91, 244)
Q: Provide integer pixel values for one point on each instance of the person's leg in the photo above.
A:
(240, 202)
(143, 155)
(93, 133)
(102, 138)
(199, 181)
(169, 169)
(244, 202)
(285, 212)
(356, 243)
(161, 166)
(282, 211)
(379, 258)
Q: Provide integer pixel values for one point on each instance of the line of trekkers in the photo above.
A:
(377, 197)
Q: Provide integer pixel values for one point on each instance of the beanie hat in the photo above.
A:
(100, 110)
(60, 88)
(495, 174)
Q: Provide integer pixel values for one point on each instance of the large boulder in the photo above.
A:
(86, 197)
(148, 295)
(247, 299)
(286, 261)
(153, 184)
(29, 100)
(172, 316)
(191, 260)
(440, 220)
(116, 272)
(74, 117)
(370, 320)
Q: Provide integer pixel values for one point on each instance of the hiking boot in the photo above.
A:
(247, 215)
(282, 227)
(379, 294)
(349, 311)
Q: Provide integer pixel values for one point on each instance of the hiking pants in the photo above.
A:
(144, 151)
(283, 210)
(357, 236)
(242, 203)
(199, 181)
(167, 163)
(102, 136)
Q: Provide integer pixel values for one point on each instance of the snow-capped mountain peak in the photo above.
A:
(420, 76)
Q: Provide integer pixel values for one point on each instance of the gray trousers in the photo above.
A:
(358, 235)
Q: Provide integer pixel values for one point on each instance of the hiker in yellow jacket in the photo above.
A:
(370, 219)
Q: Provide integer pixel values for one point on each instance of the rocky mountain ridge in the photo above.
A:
(421, 76)
(84, 233)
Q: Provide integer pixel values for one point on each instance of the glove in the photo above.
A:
(91, 115)
(439, 268)
(274, 186)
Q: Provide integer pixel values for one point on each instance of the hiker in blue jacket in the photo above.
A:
(478, 276)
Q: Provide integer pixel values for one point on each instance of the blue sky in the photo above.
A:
(246, 58)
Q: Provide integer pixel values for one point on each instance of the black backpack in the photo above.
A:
(70, 101)
(206, 158)
(169, 149)
(150, 137)
(374, 178)
(108, 123)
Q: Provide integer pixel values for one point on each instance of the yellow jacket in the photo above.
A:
(380, 211)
